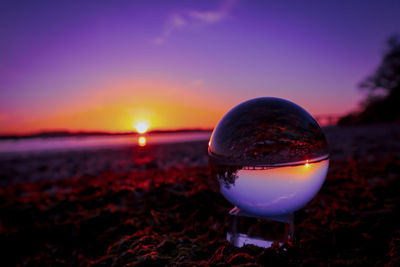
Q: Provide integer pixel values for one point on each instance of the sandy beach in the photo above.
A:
(158, 205)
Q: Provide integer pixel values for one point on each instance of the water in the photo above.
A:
(95, 142)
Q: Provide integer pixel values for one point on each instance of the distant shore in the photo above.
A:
(58, 134)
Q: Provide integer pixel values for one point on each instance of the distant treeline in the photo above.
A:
(382, 102)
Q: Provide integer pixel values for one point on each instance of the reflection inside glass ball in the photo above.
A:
(269, 155)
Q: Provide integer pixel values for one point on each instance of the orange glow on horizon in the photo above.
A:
(166, 106)
(297, 172)
(116, 105)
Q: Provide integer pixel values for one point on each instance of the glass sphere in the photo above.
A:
(269, 155)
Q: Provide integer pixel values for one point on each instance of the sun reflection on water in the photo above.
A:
(142, 141)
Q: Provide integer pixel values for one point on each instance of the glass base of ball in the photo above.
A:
(261, 231)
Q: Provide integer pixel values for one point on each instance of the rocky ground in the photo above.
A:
(159, 206)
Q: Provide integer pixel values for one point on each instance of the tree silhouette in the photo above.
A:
(382, 103)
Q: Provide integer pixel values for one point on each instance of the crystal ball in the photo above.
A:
(269, 155)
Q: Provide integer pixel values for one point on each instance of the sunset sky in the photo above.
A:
(107, 65)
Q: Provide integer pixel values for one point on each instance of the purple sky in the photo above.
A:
(61, 57)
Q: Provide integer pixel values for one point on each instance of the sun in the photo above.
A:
(141, 127)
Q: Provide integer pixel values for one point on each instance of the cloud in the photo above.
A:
(179, 21)
(215, 16)
(208, 17)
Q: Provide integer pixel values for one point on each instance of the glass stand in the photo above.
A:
(261, 231)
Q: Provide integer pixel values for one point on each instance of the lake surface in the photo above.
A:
(94, 142)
